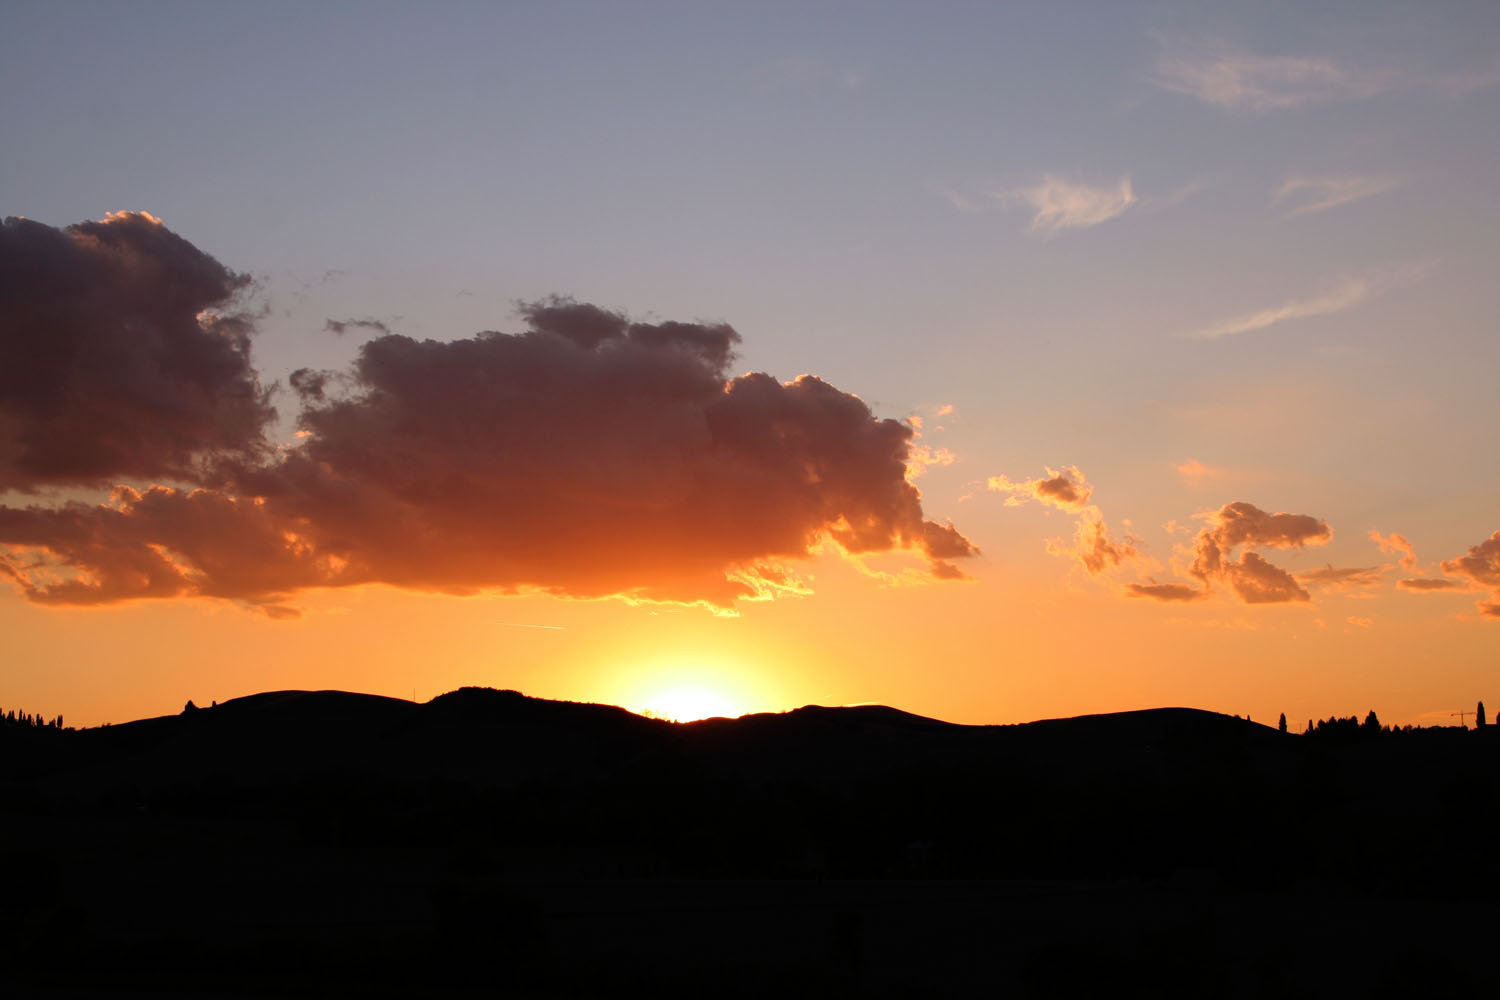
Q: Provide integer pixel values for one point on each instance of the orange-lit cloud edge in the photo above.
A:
(586, 457)
(1248, 576)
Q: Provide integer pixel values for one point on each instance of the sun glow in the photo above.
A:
(690, 703)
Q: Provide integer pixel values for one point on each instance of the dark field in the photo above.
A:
(490, 844)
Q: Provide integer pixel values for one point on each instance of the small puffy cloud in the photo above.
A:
(343, 326)
(1360, 622)
(122, 355)
(1253, 578)
(309, 384)
(1061, 204)
(1481, 565)
(1171, 592)
(1243, 523)
(1093, 547)
(585, 456)
(1065, 489)
(1345, 295)
(1211, 72)
(1069, 491)
(1309, 195)
(924, 456)
(1257, 581)
(1396, 543)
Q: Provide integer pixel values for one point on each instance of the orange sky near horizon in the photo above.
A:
(976, 652)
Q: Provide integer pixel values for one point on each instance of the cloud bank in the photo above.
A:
(585, 456)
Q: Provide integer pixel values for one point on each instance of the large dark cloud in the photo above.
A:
(586, 456)
(113, 363)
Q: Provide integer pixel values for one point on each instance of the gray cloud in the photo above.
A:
(121, 356)
(584, 456)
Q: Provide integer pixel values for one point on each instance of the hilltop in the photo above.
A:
(568, 838)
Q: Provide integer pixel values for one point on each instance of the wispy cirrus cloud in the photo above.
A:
(1169, 592)
(1214, 73)
(1060, 203)
(1344, 578)
(1427, 584)
(1195, 472)
(1348, 293)
(1309, 195)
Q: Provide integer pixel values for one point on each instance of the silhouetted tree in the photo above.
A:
(1281, 725)
(1372, 724)
(1479, 719)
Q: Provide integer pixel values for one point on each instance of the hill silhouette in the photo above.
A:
(349, 838)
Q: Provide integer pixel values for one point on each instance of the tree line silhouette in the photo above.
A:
(33, 721)
(1350, 729)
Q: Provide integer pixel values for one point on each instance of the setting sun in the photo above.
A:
(688, 704)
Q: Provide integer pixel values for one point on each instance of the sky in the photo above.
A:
(992, 361)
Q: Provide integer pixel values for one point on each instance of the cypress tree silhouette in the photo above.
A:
(1479, 719)
(1281, 725)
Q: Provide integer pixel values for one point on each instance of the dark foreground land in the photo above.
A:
(490, 844)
